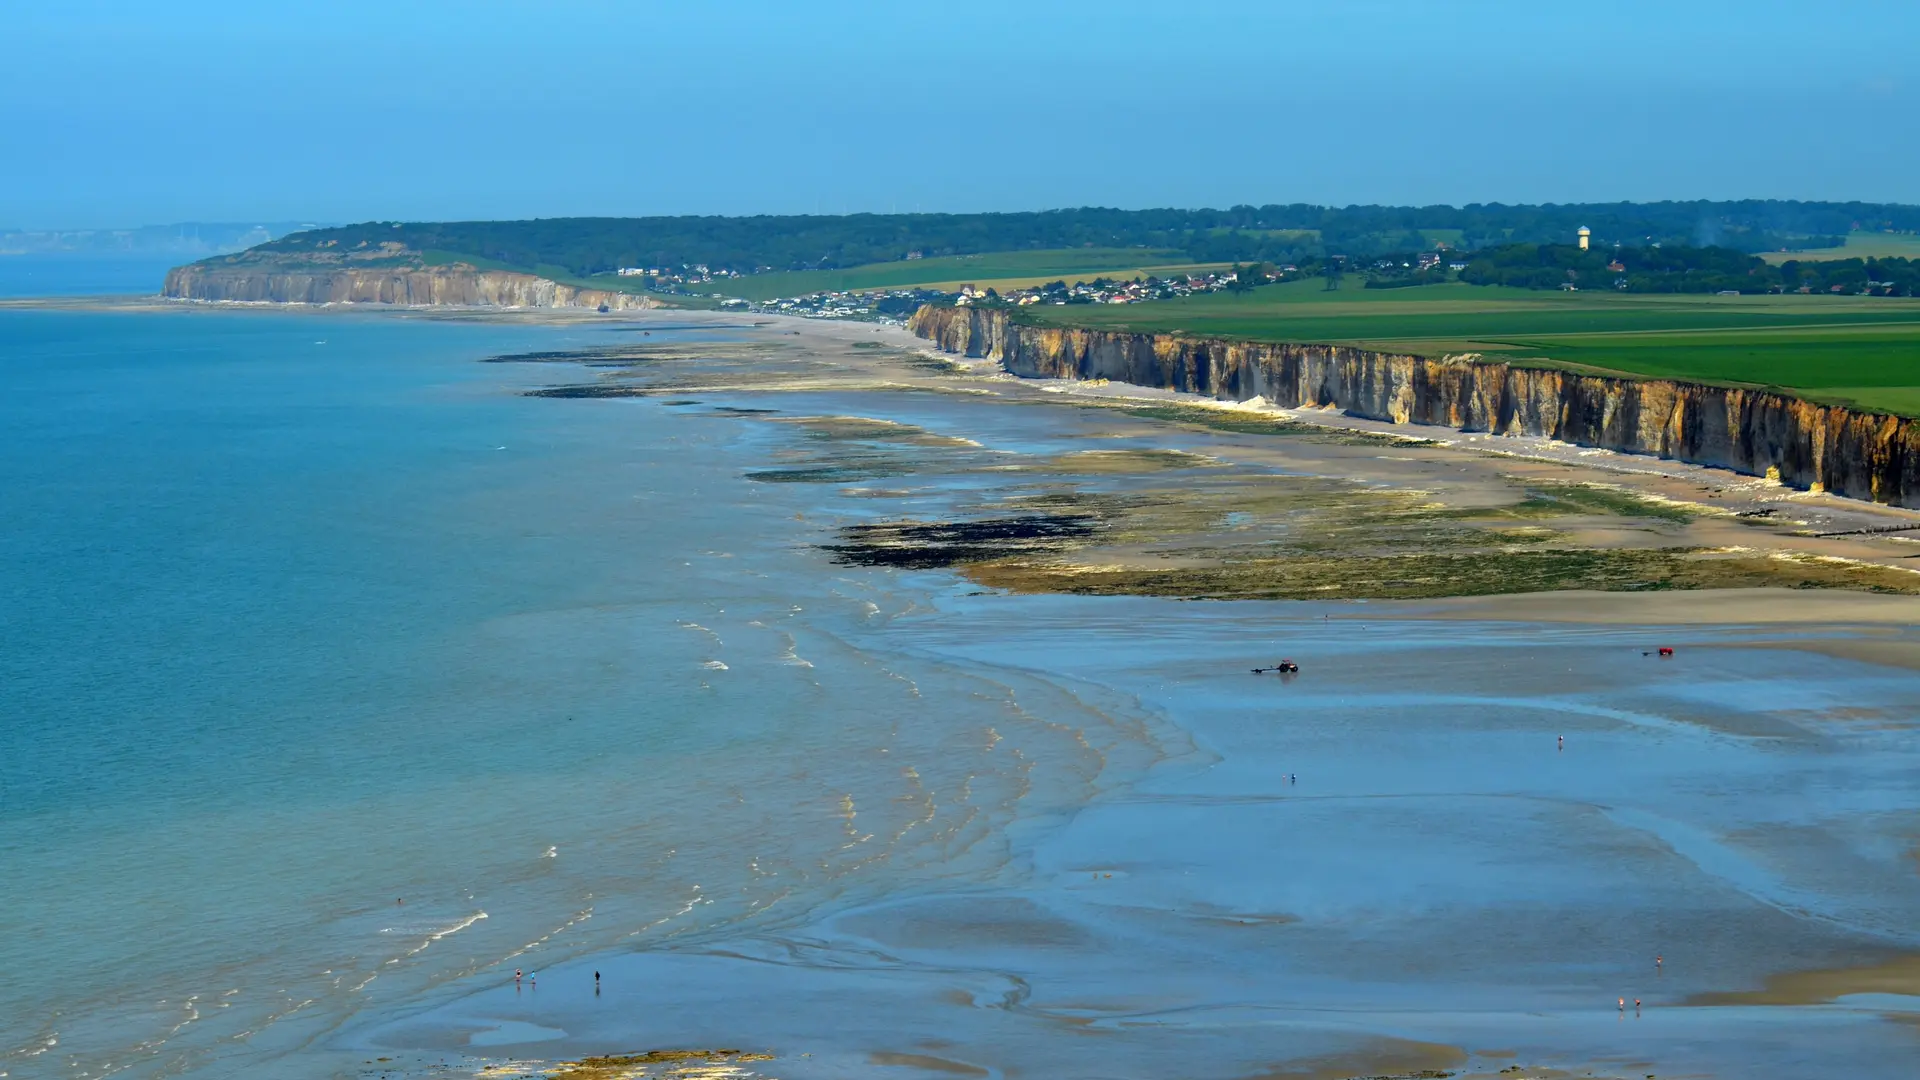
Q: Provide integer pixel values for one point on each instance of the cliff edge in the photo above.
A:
(388, 275)
(1862, 455)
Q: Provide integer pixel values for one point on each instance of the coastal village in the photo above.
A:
(893, 305)
(1567, 267)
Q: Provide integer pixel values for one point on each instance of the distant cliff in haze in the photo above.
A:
(387, 273)
(189, 239)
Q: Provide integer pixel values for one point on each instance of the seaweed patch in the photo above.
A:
(933, 545)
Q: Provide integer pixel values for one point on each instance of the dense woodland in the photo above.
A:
(1684, 269)
(1277, 234)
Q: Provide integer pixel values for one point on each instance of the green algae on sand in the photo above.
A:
(681, 1064)
(1151, 522)
(1427, 576)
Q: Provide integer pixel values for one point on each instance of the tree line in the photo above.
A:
(1277, 233)
(1684, 269)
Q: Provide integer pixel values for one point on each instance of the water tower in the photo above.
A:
(1585, 235)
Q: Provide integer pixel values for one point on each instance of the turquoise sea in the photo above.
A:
(335, 670)
(339, 681)
(89, 274)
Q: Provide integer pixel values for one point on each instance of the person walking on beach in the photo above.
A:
(516, 976)
(1623, 1005)
(1657, 961)
(1563, 742)
(533, 979)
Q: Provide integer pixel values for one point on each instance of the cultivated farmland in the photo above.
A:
(1862, 351)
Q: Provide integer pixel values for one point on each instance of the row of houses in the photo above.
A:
(1427, 261)
(829, 305)
(668, 278)
(894, 304)
(1105, 291)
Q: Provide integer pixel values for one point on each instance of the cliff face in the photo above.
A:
(1858, 454)
(365, 285)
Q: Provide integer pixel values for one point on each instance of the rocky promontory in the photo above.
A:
(388, 275)
(1761, 432)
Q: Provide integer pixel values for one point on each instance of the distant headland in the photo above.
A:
(711, 261)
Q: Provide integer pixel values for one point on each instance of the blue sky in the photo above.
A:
(136, 113)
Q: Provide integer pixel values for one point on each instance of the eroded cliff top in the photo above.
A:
(327, 255)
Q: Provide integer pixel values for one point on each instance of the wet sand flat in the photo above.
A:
(1389, 864)
(1899, 976)
(1720, 607)
(1440, 875)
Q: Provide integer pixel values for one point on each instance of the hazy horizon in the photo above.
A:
(245, 222)
(229, 113)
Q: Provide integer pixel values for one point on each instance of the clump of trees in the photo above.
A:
(1249, 277)
(1403, 274)
(1683, 269)
(1880, 277)
(905, 305)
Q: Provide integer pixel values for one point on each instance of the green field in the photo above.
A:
(1862, 351)
(1000, 270)
(1859, 245)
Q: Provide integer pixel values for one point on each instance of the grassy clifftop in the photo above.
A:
(1861, 351)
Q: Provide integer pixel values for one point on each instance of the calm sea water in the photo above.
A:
(84, 275)
(338, 681)
(334, 670)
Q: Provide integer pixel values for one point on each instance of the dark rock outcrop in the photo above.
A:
(1849, 452)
